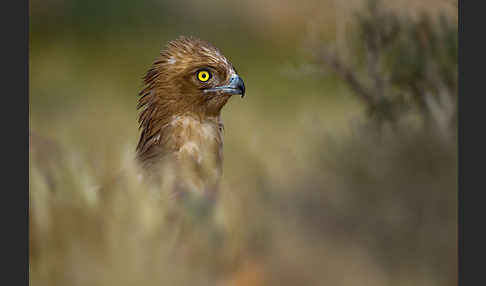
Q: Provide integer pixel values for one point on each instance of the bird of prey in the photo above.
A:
(180, 104)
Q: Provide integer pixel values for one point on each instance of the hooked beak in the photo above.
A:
(235, 86)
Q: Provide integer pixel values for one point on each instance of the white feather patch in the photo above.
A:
(191, 149)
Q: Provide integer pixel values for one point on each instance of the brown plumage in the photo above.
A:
(180, 104)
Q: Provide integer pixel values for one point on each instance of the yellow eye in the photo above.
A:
(203, 75)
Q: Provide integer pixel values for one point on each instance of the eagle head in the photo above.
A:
(193, 76)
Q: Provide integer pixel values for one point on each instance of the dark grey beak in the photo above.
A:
(235, 86)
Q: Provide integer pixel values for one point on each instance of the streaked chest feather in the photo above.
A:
(200, 141)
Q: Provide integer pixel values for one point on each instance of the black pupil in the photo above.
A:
(204, 75)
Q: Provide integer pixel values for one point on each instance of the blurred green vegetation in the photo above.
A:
(313, 193)
(397, 65)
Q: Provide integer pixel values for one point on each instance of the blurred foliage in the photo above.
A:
(398, 65)
(393, 193)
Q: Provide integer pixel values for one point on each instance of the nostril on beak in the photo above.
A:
(235, 86)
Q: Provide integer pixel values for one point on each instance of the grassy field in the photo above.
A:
(312, 193)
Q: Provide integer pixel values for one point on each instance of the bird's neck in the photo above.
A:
(195, 145)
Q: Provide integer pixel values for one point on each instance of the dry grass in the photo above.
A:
(299, 205)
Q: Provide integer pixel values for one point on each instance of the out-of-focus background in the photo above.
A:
(340, 163)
